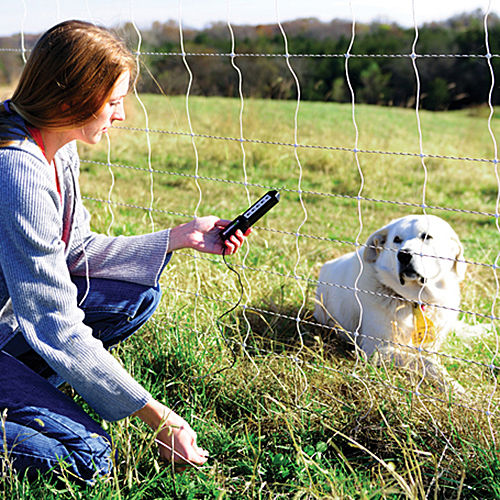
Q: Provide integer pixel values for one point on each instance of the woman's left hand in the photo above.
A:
(203, 234)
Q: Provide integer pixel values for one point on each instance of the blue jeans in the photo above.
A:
(41, 426)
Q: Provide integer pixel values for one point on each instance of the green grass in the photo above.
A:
(296, 415)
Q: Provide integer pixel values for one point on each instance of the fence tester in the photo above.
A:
(243, 222)
(252, 215)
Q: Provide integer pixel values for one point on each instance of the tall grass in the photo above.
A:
(286, 410)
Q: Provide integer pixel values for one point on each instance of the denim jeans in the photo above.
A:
(41, 426)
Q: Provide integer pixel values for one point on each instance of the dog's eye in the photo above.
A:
(426, 236)
(397, 239)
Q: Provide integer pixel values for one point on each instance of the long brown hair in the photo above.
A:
(68, 77)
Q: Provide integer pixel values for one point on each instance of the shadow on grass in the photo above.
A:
(285, 330)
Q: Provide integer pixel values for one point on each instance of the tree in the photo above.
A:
(374, 84)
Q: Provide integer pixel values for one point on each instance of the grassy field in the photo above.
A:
(286, 410)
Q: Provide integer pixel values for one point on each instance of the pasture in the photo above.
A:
(285, 409)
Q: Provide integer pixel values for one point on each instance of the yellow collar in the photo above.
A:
(424, 331)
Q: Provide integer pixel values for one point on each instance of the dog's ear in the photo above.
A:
(374, 245)
(460, 266)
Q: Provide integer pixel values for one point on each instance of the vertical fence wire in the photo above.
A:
(195, 151)
(246, 299)
(301, 200)
(497, 259)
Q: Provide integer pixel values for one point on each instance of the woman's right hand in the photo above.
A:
(203, 234)
(176, 439)
(177, 442)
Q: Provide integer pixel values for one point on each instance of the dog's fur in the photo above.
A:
(413, 260)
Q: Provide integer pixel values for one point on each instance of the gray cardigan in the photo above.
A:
(37, 295)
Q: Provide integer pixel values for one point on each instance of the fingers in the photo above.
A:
(189, 430)
(199, 452)
(179, 447)
(235, 242)
(189, 458)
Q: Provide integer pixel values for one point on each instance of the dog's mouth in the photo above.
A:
(409, 274)
(407, 271)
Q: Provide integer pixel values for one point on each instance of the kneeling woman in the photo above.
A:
(68, 294)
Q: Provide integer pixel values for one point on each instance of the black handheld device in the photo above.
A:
(252, 215)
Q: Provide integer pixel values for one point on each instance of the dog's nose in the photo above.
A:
(404, 257)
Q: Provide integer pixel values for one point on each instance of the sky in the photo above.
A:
(35, 16)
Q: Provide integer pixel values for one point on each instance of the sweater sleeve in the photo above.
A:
(138, 259)
(44, 299)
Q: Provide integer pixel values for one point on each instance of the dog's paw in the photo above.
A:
(450, 385)
(464, 330)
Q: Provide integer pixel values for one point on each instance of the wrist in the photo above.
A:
(154, 414)
(178, 237)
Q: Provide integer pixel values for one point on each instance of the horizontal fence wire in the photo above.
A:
(292, 55)
(309, 146)
(291, 233)
(317, 56)
(291, 190)
(246, 346)
(315, 324)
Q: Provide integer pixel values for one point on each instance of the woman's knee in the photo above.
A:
(115, 310)
(150, 299)
(47, 446)
(127, 325)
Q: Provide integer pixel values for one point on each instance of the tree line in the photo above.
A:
(380, 68)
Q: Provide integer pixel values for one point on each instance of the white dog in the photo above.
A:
(398, 296)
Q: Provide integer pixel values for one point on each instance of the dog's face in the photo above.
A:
(416, 256)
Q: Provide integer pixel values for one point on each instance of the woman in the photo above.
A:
(67, 294)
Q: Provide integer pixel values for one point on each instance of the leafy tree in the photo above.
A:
(317, 50)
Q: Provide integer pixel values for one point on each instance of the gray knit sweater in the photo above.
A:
(36, 292)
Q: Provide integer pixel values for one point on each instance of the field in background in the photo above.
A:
(330, 179)
(284, 408)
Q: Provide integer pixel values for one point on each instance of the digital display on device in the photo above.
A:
(252, 215)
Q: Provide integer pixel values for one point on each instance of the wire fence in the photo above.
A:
(302, 319)
(484, 308)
